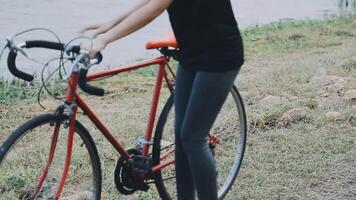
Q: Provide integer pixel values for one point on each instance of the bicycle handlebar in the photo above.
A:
(13, 69)
(82, 82)
(11, 62)
(11, 59)
(50, 45)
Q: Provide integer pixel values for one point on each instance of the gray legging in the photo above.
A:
(198, 99)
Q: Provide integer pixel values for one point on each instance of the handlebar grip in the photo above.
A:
(58, 46)
(82, 82)
(50, 45)
(44, 44)
(11, 63)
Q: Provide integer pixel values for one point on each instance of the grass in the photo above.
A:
(311, 158)
(289, 35)
(16, 90)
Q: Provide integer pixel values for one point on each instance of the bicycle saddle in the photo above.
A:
(167, 41)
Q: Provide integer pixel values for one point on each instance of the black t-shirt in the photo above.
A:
(207, 34)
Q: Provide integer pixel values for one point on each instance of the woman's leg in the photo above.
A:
(207, 96)
(184, 83)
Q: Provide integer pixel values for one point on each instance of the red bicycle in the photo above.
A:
(54, 156)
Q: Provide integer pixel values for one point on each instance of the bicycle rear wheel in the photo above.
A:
(24, 157)
(227, 142)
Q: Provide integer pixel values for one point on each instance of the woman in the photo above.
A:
(211, 54)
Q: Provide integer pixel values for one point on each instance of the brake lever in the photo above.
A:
(8, 44)
(3, 50)
(18, 48)
(78, 63)
(68, 49)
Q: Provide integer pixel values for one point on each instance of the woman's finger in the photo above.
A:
(97, 32)
(89, 27)
(86, 45)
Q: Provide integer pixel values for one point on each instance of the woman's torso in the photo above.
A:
(207, 34)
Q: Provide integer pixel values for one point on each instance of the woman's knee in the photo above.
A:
(190, 141)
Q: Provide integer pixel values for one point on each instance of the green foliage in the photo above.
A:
(16, 90)
(285, 24)
(279, 25)
(289, 35)
(15, 181)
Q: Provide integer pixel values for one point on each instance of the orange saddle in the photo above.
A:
(167, 41)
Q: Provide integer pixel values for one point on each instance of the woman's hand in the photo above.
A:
(98, 28)
(99, 43)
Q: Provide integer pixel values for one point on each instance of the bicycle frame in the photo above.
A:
(73, 101)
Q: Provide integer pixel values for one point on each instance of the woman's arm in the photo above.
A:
(130, 11)
(102, 27)
(131, 23)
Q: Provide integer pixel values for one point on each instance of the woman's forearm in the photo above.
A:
(137, 19)
(128, 12)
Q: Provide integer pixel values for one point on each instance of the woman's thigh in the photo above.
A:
(183, 87)
(208, 94)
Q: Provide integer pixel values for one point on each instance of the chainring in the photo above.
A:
(122, 175)
(125, 180)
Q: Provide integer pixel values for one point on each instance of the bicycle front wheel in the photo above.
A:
(227, 141)
(25, 155)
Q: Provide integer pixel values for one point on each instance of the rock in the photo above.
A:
(320, 81)
(271, 100)
(350, 95)
(293, 115)
(333, 116)
(330, 84)
(328, 101)
(334, 88)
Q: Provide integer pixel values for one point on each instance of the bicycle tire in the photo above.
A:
(223, 190)
(41, 121)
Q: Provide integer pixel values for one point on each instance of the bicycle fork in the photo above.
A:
(50, 159)
(72, 110)
(69, 151)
